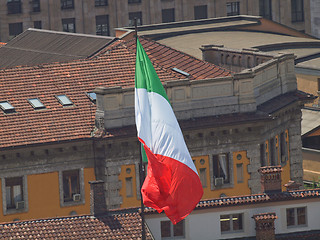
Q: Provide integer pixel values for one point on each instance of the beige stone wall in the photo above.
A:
(84, 12)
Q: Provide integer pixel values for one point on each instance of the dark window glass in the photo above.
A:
(102, 25)
(200, 12)
(168, 15)
(178, 229)
(69, 25)
(221, 167)
(15, 29)
(67, 4)
(134, 1)
(71, 184)
(135, 15)
(14, 6)
(37, 24)
(265, 9)
(14, 191)
(98, 3)
(233, 8)
(297, 12)
(165, 229)
(35, 5)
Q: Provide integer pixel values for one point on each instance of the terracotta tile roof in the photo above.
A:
(264, 216)
(116, 226)
(253, 199)
(113, 66)
(270, 169)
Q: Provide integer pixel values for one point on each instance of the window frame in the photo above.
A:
(70, 202)
(13, 210)
(36, 7)
(102, 24)
(67, 4)
(172, 229)
(14, 7)
(296, 217)
(67, 22)
(167, 12)
(218, 169)
(9, 109)
(297, 15)
(15, 26)
(198, 10)
(235, 8)
(100, 3)
(132, 16)
(231, 223)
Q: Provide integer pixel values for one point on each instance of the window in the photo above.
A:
(7, 107)
(297, 14)
(134, 1)
(200, 12)
(99, 3)
(239, 173)
(265, 9)
(67, 4)
(69, 25)
(71, 186)
(221, 169)
(129, 187)
(168, 230)
(35, 5)
(168, 15)
(231, 223)
(14, 193)
(37, 24)
(233, 8)
(102, 25)
(203, 176)
(132, 16)
(296, 217)
(64, 100)
(36, 103)
(15, 29)
(14, 6)
(92, 96)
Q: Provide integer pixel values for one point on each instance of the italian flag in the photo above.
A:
(172, 184)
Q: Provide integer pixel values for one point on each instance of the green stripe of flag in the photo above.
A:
(145, 75)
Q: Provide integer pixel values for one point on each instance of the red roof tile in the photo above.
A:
(116, 226)
(113, 66)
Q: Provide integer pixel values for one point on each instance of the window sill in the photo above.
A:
(15, 211)
(72, 203)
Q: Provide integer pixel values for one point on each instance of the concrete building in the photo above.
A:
(102, 16)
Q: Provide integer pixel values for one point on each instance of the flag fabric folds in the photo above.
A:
(172, 184)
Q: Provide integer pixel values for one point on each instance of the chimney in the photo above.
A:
(97, 198)
(265, 226)
(292, 186)
(270, 179)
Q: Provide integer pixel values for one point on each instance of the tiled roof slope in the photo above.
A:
(253, 199)
(114, 66)
(118, 226)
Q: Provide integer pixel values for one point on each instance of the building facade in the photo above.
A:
(102, 16)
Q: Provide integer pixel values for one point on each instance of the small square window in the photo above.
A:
(64, 100)
(168, 230)
(37, 24)
(231, 223)
(69, 25)
(296, 217)
(134, 1)
(7, 107)
(233, 8)
(36, 103)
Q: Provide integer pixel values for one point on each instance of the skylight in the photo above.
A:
(64, 100)
(92, 96)
(36, 103)
(7, 107)
(181, 72)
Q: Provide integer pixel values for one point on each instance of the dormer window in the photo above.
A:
(36, 103)
(7, 107)
(64, 100)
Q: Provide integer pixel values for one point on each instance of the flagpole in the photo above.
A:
(141, 170)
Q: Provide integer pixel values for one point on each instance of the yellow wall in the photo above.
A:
(128, 201)
(44, 197)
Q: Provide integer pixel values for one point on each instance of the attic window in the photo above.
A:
(7, 107)
(92, 96)
(36, 103)
(181, 72)
(64, 100)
